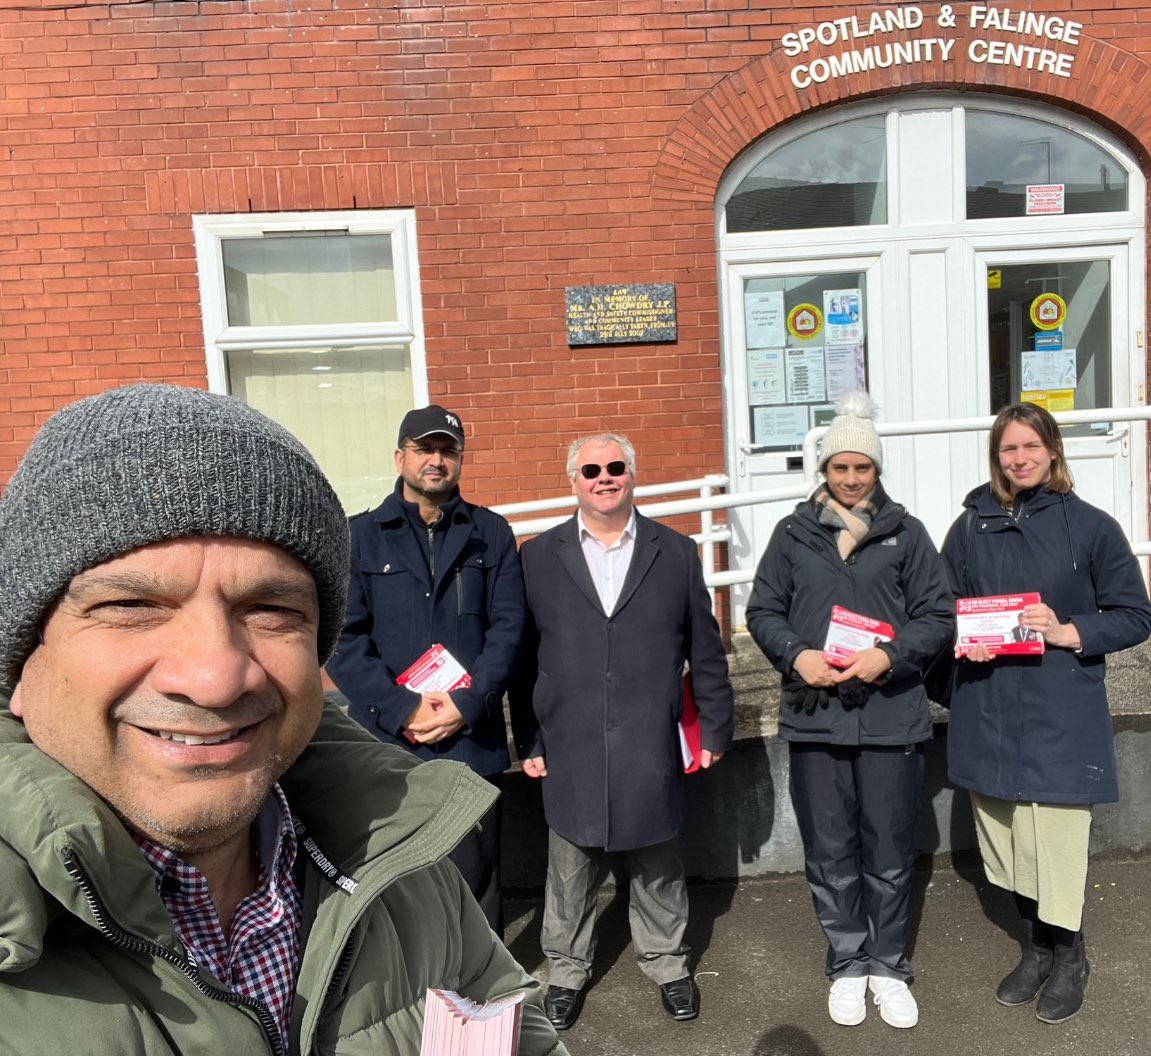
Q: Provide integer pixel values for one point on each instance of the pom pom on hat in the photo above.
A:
(853, 429)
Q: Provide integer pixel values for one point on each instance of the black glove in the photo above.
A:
(854, 693)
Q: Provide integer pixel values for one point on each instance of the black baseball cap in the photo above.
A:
(424, 421)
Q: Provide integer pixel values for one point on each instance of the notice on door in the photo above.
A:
(779, 426)
(806, 376)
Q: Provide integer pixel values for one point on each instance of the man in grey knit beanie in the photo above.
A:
(189, 837)
(146, 463)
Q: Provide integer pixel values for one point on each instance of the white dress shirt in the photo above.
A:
(608, 565)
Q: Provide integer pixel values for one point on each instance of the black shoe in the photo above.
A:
(562, 1006)
(1062, 997)
(1023, 983)
(681, 998)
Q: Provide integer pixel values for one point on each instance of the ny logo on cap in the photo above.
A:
(451, 419)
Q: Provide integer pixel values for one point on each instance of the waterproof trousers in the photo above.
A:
(856, 808)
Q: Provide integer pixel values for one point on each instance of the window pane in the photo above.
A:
(835, 177)
(297, 280)
(1049, 335)
(1007, 154)
(344, 404)
(806, 347)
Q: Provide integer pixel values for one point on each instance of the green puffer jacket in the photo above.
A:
(89, 962)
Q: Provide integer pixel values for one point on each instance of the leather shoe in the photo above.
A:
(680, 998)
(562, 1006)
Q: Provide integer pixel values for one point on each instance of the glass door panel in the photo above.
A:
(1049, 336)
(806, 345)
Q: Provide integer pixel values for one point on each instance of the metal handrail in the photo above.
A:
(707, 501)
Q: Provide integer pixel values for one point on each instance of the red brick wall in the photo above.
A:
(542, 144)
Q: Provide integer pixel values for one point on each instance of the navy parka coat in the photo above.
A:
(599, 696)
(894, 574)
(473, 605)
(1037, 728)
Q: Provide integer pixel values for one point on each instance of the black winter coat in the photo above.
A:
(473, 606)
(1037, 728)
(599, 696)
(895, 574)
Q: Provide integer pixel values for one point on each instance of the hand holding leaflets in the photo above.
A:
(1000, 625)
(851, 646)
(433, 676)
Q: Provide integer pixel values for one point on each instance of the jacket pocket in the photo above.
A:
(470, 589)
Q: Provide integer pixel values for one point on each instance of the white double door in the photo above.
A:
(947, 327)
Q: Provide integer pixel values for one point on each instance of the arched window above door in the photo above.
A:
(928, 159)
(1006, 154)
(832, 177)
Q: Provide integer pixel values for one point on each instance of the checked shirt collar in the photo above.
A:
(260, 957)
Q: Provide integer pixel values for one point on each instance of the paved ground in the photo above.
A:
(759, 964)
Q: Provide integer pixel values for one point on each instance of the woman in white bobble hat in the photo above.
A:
(855, 732)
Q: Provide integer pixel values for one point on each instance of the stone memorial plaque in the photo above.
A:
(620, 315)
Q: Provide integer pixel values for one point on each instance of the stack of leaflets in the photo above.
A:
(458, 1026)
(996, 623)
(849, 633)
(690, 736)
(437, 671)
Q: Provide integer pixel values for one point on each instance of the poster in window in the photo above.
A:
(779, 426)
(765, 376)
(845, 370)
(806, 376)
(843, 311)
(1049, 369)
(764, 318)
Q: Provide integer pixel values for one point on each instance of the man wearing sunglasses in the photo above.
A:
(428, 568)
(616, 607)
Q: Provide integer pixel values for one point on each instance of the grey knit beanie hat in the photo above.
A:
(852, 429)
(145, 463)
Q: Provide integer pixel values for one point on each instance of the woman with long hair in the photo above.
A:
(1030, 736)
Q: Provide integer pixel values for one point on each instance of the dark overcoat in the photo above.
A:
(1037, 728)
(599, 696)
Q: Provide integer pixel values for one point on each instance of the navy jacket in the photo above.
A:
(474, 607)
(1037, 728)
(599, 696)
(895, 575)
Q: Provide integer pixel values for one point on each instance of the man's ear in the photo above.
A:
(14, 704)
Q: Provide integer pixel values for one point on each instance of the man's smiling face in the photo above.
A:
(179, 681)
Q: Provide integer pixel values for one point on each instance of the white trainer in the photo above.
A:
(896, 1004)
(847, 1002)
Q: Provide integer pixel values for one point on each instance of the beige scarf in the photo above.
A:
(852, 524)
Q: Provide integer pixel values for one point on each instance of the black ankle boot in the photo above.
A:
(1062, 997)
(1023, 983)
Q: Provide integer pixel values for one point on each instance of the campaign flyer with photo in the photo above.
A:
(437, 671)
(849, 632)
(996, 622)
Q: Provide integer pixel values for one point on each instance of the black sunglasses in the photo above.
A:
(589, 471)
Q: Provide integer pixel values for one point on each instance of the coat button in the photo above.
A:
(387, 568)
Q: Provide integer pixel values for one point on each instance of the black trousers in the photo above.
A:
(856, 808)
(478, 859)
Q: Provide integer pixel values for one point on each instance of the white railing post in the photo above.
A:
(708, 555)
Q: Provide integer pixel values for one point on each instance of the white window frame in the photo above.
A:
(211, 230)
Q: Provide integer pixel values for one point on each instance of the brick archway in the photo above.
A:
(1109, 85)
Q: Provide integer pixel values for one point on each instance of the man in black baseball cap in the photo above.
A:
(427, 569)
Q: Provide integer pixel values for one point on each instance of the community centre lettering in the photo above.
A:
(1028, 40)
